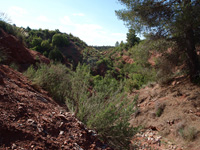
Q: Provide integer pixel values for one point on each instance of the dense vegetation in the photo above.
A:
(95, 88)
(99, 99)
(170, 24)
(99, 102)
(55, 45)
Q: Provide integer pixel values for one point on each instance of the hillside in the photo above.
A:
(169, 115)
(30, 119)
(16, 53)
(47, 41)
(122, 93)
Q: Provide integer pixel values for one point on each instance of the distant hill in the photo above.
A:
(46, 41)
(102, 48)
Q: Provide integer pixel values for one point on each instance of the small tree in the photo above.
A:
(36, 41)
(60, 40)
(117, 44)
(56, 55)
(45, 45)
(132, 39)
(173, 20)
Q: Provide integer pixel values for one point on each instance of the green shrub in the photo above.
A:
(45, 45)
(36, 41)
(60, 40)
(13, 30)
(106, 110)
(159, 108)
(98, 102)
(56, 55)
(14, 66)
(138, 80)
(52, 78)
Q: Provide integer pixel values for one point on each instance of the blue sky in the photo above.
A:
(93, 21)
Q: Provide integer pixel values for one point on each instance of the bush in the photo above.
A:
(103, 108)
(14, 66)
(56, 55)
(159, 108)
(138, 77)
(60, 40)
(13, 30)
(52, 78)
(36, 41)
(98, 102)
(46, 45)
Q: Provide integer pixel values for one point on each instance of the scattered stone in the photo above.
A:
(14, 146)
(61, 133)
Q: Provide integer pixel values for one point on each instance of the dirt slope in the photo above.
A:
(17, 53)
(177, 125)
(30, 119)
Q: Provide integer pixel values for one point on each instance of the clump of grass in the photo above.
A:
(188, 133)
(5, 24)
(14, 66)
(159, 108)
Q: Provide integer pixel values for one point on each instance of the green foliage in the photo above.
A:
(45, 45)
(105, 61)
(52, 78)
(56, 55)
(141, 53)
(174, 21)
(36, 44)
(117, 44)
(60, 40)
(137, 80)
(103, 108)
(102, 48)
(132, 39)
(14, 66)
(159, 108)
(11, 29)
(98, 102)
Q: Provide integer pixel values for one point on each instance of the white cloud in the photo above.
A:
(66, 21)
(15, 11)
(92, 34)
(43, 19)
(79, 14)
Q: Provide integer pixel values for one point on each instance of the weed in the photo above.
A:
(188, 133)
(14, 66)
(159, 108)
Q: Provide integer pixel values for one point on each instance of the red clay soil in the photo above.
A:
(128, 59)
(153, 57)
(17, 53)
(30, 119)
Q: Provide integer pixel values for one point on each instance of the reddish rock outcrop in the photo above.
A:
(17, 53)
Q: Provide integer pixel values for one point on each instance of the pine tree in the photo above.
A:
(173, 20)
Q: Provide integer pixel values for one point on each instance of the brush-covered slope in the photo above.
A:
(30, 119)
